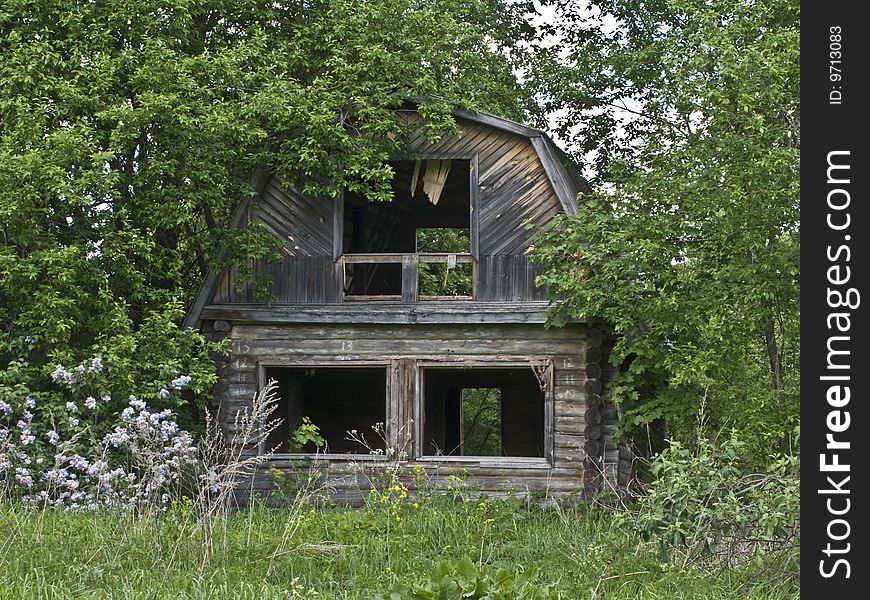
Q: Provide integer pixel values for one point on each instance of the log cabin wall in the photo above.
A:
(403, 350)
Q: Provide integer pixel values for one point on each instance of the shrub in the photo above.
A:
(701, 504)
(306, 436)
(84, 456)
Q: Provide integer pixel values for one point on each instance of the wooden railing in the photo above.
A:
(410, 273)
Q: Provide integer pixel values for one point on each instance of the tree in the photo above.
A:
(129, 130)
(688, 114)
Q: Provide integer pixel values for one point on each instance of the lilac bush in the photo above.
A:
(49, 460)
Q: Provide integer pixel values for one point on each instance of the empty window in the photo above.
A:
(429, 213)
(482, 412)
(335, 399)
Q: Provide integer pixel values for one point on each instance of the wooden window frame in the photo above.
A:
(389, 430)
(410, 261)
(522, 462)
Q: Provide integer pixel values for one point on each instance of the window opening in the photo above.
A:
(429, 196)
(335, 399)
(482, 412)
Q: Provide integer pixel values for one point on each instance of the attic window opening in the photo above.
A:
(428, 219)
(335, 399)
(483, 412)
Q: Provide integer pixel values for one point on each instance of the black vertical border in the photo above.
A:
(827, 127)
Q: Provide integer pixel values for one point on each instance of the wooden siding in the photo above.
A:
(404, 349)
(304, 224)
(306, 274)
(302, 280)
(513, 190)
(508, 277)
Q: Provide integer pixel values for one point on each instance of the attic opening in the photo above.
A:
(483, 412)
(334, 399)
(417, 246)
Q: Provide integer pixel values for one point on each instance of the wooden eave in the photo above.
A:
(566, 184)
(383, 313)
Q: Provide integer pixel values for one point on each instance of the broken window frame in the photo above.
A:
(262, 367)
(410, 261)
(544, 370)
(414, 407)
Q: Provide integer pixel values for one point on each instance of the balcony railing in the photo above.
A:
(410, 274)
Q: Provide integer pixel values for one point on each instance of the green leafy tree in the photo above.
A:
(688, 115)
(129, 131)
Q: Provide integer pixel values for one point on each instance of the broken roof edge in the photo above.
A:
(566, 180)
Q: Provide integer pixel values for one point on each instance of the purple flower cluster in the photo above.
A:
(159, 449)
(77, 374)
(61, 375)
(15, 456)
(180, 382)
(133, 466)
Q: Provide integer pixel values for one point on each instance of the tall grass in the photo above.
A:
(342, 553)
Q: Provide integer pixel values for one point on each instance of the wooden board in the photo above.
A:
(450, 311)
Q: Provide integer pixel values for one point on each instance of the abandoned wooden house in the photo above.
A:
(422, 314)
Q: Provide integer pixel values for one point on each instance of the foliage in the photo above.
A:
(688, 113)
(464, 580)
(143, 363)
(481, 422)
(129, 131)
(306, 434)
(435, 278)
(203, 545)
(704, 505)
(85, 457)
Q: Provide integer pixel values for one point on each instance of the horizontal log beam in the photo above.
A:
(388, 312)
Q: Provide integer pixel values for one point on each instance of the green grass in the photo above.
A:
(343, 553)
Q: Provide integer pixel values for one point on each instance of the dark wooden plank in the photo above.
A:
(338, 226)
(474, 195)
(398, 257)
(410, 271)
